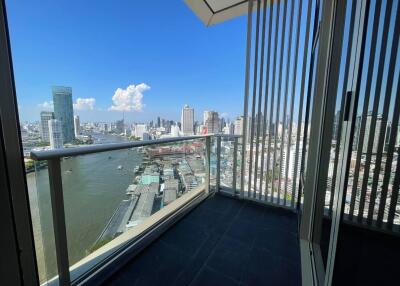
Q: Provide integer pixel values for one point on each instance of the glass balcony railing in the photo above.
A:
(90, 203)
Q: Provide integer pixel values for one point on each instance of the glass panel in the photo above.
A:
(108, 195)
(227, 162)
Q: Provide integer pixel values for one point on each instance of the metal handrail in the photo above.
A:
(83, 150)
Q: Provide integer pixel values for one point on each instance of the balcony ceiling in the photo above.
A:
(212, 12)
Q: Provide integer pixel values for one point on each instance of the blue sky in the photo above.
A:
(97, 47)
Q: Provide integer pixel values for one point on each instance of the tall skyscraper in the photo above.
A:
(212, 122)
(187, 120)
(77, 126)
(55, 134)
(45, 116)
(238, 130)
(63, 111)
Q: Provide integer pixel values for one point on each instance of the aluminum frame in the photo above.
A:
(349, 118)
(327, 69)
(14, 160)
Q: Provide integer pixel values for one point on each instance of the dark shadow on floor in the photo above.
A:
(223, 241)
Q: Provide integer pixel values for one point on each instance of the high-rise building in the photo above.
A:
(228, 129)
(357, 129)
(55, 134)
(231, 128)
(45, 116)
(398, 137)
(146, 136)
(212, 122)
(205, 116)
(238, 129)
(158, 121)
(63, 111)
(336, 126)
(222, 123)
(140, 129)
(187, 120)
(174, 131)
(387, 136)
(104, 127)
(375, 137)
(77, 126)
(119, 126)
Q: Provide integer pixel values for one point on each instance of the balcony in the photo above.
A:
(205, 231)
(306, 194)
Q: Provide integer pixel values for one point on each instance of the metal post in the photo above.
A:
(264, 125)
(254, 102)
(246, 94)
(208, 155)
(292, 99)
(60, 233)
(218, 183)
(260, 91)
(271, 112)
(285, 94)
(349, 118)
(278, 109)
(301, 100)
(235, 149)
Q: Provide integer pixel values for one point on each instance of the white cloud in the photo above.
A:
(129, 99)
(46, 105)
(85, 103)
(224, 115)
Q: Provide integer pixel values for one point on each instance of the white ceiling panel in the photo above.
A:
(218, 5)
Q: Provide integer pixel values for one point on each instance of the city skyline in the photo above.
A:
(153, 72)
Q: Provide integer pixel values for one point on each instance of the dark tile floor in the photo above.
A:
(223, 241)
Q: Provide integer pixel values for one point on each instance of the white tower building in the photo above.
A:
(55, 134)
(77, 126)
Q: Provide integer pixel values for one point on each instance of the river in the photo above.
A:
(92, 187)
